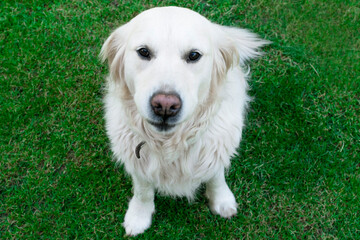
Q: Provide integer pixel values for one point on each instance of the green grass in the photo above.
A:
(297, 174)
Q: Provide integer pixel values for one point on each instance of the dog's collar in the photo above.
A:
(138, 148)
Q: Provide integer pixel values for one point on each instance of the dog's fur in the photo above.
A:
(205, 134)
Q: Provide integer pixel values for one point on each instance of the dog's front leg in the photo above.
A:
(221, 199)
(141, 207)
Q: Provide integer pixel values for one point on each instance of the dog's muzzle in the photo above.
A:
(165, 109)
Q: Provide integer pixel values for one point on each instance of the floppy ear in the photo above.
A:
(234, 46)
(241, 45)
(113, 51)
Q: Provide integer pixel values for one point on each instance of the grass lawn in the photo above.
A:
(297, 171)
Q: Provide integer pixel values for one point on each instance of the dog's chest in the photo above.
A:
(178, 164)
(180, 172)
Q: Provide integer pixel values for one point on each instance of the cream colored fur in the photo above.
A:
(213, 90)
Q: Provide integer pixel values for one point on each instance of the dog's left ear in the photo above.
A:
(241, 45)
(235, 46)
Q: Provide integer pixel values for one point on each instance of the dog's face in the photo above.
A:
(168, 66)
(168, 59)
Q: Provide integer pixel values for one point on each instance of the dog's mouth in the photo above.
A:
(162, 126)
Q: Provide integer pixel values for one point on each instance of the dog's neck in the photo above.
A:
(183, 136)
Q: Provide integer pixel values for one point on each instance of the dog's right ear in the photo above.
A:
(113, 51)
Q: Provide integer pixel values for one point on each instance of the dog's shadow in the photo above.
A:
(177, 210)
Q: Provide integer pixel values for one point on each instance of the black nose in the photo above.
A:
(165, 105)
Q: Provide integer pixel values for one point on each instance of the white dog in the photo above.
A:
(175, 104)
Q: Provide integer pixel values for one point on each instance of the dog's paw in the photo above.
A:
(225, 208)
(135, 225)
(223, 204)
(138, 217)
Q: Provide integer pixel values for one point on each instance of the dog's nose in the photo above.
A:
(165, 105)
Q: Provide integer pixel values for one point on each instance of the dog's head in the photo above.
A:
(171, 60)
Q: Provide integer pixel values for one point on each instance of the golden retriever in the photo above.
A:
(175, 105)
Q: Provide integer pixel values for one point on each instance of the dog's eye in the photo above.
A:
(193, 56)
(144, 53)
